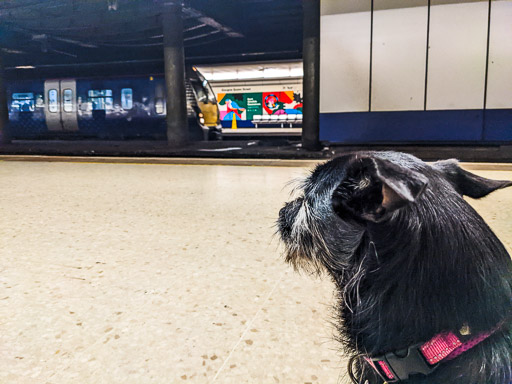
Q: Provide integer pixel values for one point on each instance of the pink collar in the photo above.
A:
(424, 358)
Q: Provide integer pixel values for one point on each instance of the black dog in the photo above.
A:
(421, 277)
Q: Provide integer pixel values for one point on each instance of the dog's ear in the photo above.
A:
(467, 183)
(373, 188)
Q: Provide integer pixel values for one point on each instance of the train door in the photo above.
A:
(61, 109)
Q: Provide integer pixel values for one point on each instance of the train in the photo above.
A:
(112, 108)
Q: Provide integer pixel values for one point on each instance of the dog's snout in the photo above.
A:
(291, 208)
(282, 211)
(287, 216)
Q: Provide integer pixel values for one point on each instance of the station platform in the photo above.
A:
(118, 272)
(270, 148)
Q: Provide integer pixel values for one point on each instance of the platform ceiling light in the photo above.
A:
(276, 72)
(249, 75)
(14, 51)
(112, 5)
(224, 75)
(297, 71)
(25, 67)
(255, 72)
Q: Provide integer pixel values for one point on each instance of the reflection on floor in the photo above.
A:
(129, 273)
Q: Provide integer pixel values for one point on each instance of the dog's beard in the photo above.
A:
(305, 248)
(316, 241)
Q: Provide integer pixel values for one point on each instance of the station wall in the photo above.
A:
(380, 82)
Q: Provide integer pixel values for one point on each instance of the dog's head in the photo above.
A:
(325, 226)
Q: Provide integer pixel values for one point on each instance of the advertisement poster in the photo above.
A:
(238, 106)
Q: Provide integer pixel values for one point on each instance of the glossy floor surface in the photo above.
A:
(132, 273)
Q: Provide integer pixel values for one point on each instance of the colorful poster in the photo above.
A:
(282, 103)
(253, 105)
(241, 107)
(234, 106)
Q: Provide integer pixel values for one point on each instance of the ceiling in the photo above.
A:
(128, 33)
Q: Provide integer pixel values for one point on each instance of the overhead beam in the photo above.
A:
(212, 23)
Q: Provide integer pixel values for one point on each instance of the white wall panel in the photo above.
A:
(344, 62)
(499, 81)
(456, 68)
(334, 7)
(399, 54)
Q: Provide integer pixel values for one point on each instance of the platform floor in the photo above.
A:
(158, 273)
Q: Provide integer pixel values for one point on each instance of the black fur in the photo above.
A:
(410, 258)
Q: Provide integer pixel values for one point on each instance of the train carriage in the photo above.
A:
(132, 107)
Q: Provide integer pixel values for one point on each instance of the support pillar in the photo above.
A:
(174, 61)
(311, 81)
(4, 112)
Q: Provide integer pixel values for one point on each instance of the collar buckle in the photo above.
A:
(397, 366)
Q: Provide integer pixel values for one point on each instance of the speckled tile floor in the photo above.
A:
(129, 273)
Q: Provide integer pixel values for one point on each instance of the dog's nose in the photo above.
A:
(290, 209)
(284, 219)
(287, 216)
(282, 211)
(284, 222)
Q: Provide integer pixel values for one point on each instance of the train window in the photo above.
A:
(23, 102)
(67, 98)
(159, 105)
(39, 101)
(200, 92)
(211, 95)
(126, 98)
(100, 99)
(53, 101)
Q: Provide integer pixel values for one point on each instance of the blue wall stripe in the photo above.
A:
(416, 126)
(498, 125)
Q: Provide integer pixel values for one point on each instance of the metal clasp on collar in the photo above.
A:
(395, 367)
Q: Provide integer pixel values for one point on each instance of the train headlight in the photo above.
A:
(201, 114)
(201, 120)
